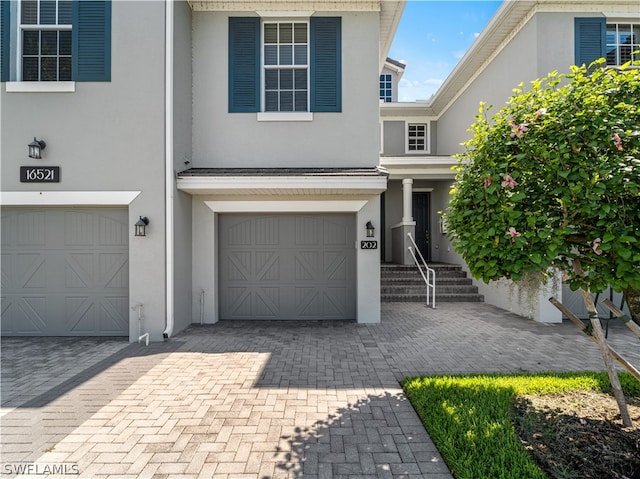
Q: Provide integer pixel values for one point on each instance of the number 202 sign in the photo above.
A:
(39, 174)
(368, 245)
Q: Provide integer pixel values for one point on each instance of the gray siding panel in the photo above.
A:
(287, 266)
(65, 272)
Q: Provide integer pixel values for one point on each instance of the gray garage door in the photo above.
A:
(65, 272)
(287, 266)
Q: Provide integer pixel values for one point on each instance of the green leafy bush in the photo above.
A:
(552, 177)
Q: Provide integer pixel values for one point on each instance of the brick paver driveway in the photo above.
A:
(262, 399)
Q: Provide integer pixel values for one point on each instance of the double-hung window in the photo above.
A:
(45, 34)
(286, 66)
(623, 39)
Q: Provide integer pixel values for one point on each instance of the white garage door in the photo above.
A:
(65, 272)
(287, 266)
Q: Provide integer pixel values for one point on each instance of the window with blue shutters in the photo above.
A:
(590, 39)
(55, 40)
(285, 66)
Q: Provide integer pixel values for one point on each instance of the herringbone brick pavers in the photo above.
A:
(268, 399)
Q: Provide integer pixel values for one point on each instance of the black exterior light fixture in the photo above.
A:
(35, 147)
(370, 229)
(141, 226)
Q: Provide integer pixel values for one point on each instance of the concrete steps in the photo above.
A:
(401, 283)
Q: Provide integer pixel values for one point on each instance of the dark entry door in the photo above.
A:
(421, 215)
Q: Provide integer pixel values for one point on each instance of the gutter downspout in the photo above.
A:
(169, 176)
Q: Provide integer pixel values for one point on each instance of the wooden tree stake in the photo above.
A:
(623, 317)
(604, 349)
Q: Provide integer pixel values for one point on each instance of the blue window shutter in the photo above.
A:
(244, 64)
(5, 35)
(326, 64)
(91, 40)
(591, 40)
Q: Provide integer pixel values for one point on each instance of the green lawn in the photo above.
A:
(471, 422)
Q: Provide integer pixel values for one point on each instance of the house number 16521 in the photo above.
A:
(39, 174)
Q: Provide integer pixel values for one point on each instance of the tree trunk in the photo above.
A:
(632, 297)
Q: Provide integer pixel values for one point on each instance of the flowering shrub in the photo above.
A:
(552, 177)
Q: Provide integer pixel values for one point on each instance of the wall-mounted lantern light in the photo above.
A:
(141, 226)
(370, 229)
(36, 147)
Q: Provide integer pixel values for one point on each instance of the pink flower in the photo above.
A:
(617, 141)
(517, 130)
(509, 182)
(487, 182)
(513, 233)
(596, 243)
(541, 112)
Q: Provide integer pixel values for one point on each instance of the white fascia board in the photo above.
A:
(285, 13)
(285, 5)
(412, 161)
(253, 185)
(433, 173)
(317, 206)
(422, 167)
(64, 198)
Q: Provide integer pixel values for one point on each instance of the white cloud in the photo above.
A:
(433, 82)
(411, 89)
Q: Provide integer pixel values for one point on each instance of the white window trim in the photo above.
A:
(41, 87)
(285, 116)
(427, 140)
(299, 116)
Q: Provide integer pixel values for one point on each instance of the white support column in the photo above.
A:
(407, 200)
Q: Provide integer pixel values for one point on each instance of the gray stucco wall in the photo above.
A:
(394, 138)
(546, 43)
(556, 33)
(331, 139)
(515, 63)
(183, 293)
(393, 133)
(106, 137)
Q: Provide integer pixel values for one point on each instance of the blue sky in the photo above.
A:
(432, 37)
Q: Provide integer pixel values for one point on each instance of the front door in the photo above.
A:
(421, 215)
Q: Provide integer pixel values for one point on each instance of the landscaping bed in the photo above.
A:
(579, 434)
(551, 425)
